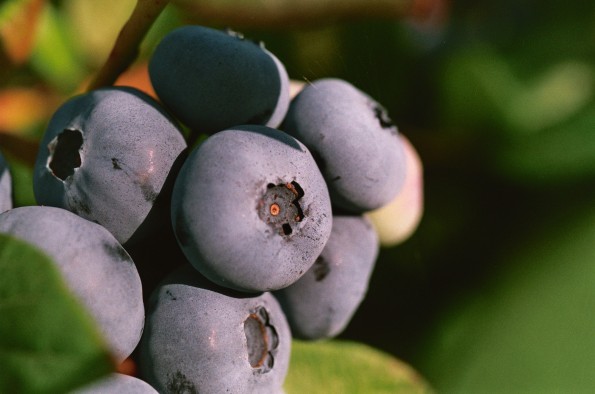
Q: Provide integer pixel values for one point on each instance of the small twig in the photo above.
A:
(126, 47)
(291, 13)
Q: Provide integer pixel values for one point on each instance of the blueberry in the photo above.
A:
(94, 265)
(212, 80)
(202, 338)
(250, 209)
(354, 141)
(397, 221)
(5, 186)
(322, 302)
(106, 156)
(117, 383)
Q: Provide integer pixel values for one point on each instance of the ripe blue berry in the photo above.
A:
(106, 156)
(202, 338)
(322, 302)
(117, 383)
(354, 141)
(5, 186)
(94, 265)
(212, 80)
(250, 209)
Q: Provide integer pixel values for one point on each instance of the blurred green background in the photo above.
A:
(495, 291)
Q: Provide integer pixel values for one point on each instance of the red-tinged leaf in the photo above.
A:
(18, 33)
(24, 107)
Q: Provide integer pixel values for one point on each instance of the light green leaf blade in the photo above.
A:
(48, 342)
(348, 367)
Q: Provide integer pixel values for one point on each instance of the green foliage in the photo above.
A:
(54, 56)
(530, 327)
(22, 183)
(523, 79)
(48, 342)
(7, 9)
(496, 286)
(343, 367)
(558, 155)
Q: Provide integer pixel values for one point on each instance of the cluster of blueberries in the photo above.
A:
(267, 212)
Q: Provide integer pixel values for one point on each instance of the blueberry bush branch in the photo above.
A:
(126, 47)
(283, 13)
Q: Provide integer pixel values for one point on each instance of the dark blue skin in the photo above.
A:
(94, 266)
(5, 186)
(108, 155)
(321, 304)
(354, 141)
(202, 338)
(250, 209)
(212, 80)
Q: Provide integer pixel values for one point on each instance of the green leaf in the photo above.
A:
(22, 184)
(347, 367)
(477, 86)
(54, 56)
(562, 153)
(8, 9)
(554, 96)
(480, 87)
(97, 24)
(531, 328)
(48, 342)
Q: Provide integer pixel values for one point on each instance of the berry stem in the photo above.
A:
(126, 47)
